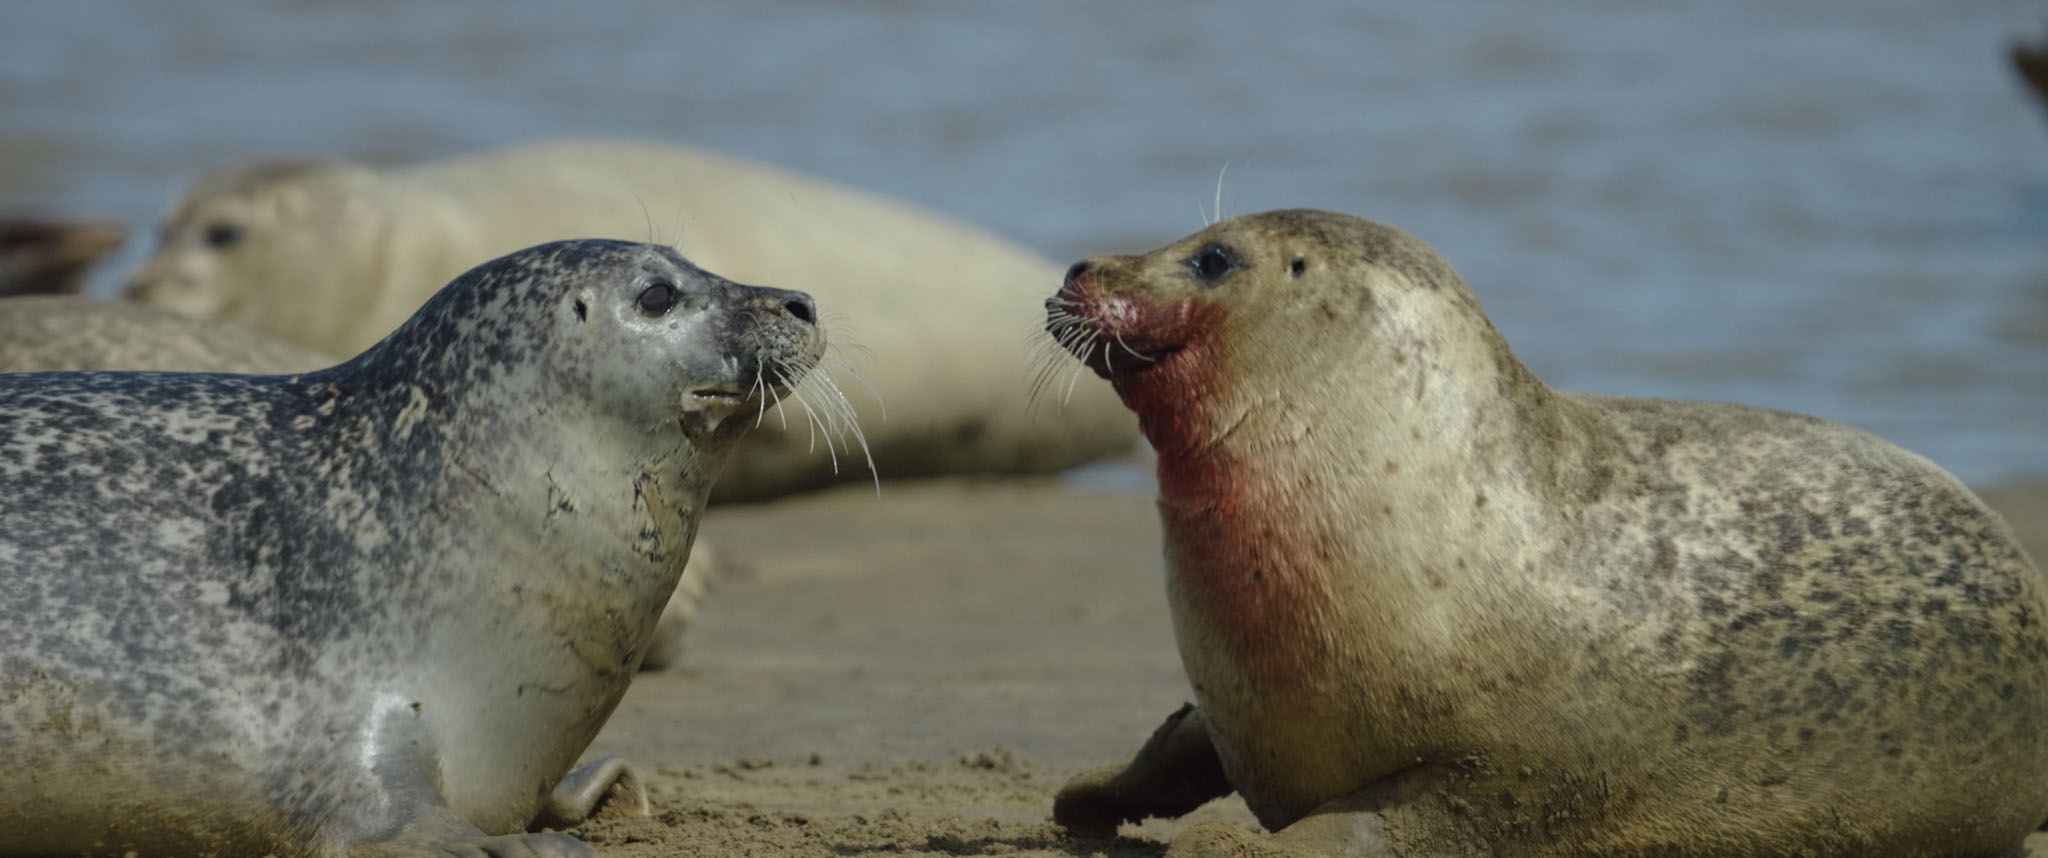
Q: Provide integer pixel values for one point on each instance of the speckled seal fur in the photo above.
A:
(1429, 605)
(373, 609)
(63, 333)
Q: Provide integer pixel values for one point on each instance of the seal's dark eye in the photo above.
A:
(223, 235)
(1212, 262)
(1297, 267)
(657, 299)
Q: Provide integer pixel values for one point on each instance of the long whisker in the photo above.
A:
(1047, 356)
(1218, 209)
(1086, 346)
(1134, 352)
(838, 363)
(759, 389)
(850, 423)
(815, 423)
(826, 409)
(780, 412)
(648, 217)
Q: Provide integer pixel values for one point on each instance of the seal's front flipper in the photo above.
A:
(606, 787)
(1176, 772)
(441, 834)
(411, 817)
(1412, 809)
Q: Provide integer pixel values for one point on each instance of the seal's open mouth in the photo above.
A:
(1111, 358)
(716, 397)
(1113, 338)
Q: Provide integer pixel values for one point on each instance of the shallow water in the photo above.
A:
(1834, 206)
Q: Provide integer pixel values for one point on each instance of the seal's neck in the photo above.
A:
(1286, 505)
(1250, 558)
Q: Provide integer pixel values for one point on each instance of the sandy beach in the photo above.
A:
(919, 672)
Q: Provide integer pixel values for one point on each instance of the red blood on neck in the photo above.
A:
(1248, 552)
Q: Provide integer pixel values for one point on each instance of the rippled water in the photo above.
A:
(1832, 206)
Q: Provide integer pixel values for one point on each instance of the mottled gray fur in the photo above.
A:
(378, 606)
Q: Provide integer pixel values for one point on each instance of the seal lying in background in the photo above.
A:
(68, 333)
(52, 333)
(378, 608)
(1430, 606)
(334, 255)
(45, 257)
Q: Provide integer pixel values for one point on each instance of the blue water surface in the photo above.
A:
(1832, 206)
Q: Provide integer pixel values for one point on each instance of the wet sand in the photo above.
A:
(919, 673)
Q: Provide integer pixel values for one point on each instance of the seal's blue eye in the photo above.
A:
(657, 299)
(223, 235)
(1212, 262)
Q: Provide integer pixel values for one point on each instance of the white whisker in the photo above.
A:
(850, 423)
(1218, 209)
(839, 363)
(780, 412)
(1134, 352)
(814, 423)
(759, 389)
(648, 217)
(1086, 346)
(827, 410)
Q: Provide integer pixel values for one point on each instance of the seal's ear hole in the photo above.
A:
(222, 235)
(658, 299)
(582, 311)
(1297, 267)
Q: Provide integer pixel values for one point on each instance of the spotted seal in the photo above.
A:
(1429, 605)
(332, 255)
(378, 608)
(53, 333)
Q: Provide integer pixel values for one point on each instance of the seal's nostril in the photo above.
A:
(802, 308)
(1076, 270)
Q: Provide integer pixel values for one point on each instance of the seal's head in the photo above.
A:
(642, 339)
(1260, 308)
(233, 226)
(1296, 371)
(730, 347)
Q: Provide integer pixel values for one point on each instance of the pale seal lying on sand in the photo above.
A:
(68, 333)
(333, 255)
(378, 608)
(1430, 606)
(44, 257)
(53, 333)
